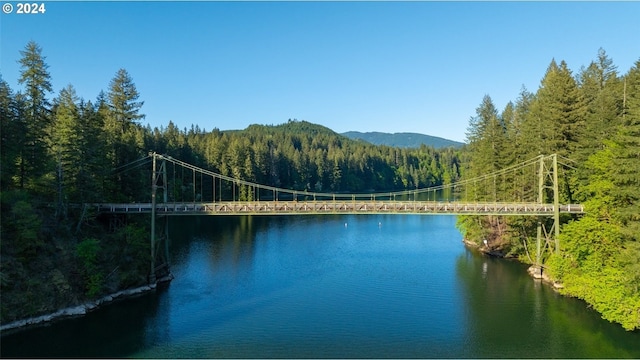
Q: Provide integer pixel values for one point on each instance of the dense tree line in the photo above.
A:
(303, 156)
(55, 156)
(61, 151)
(592, 118)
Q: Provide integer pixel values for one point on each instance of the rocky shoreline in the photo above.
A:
(82, 309)
(535, 271)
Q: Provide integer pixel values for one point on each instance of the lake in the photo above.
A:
(361, 286)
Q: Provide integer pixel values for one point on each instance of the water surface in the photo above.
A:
(333, 286)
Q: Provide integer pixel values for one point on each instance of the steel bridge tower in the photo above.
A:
(159, 181)
(548, 182)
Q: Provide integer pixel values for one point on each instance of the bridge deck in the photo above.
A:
(339, 207)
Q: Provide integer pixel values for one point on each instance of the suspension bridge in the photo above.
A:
(529, 188)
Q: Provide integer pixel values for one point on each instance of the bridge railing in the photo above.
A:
(338, 207)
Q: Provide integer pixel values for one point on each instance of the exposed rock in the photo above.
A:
(485, 249)
(537, 272)
(470, 243)
(78, 310)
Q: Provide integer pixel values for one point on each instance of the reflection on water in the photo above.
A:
(333, 286)
(511, 315)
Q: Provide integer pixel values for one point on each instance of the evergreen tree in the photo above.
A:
(123, 102)
(93, 165)
(34, 154)
(124, 142)
(599, 262)
(625, 169)
(557, 113)
(519, 135)
(512, 133)
(11, 135)
(600, 87)
(65, 146)
(486, 138)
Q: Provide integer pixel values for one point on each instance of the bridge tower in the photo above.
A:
(548, 182)
(159, 260)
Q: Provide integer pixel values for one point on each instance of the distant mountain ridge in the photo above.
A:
(403, 139)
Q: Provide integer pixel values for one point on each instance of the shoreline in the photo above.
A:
(535, 271)
(80, 310)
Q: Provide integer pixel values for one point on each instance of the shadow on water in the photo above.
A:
(113, 329)
(540, 323)
(127, 326)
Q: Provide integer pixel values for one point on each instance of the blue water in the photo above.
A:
(334, 287)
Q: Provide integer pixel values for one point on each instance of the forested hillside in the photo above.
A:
(411, 140)
(60, 151)
(591, 119)
(304, 156)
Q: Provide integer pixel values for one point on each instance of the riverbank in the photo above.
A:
(535, 271)
(80, 310)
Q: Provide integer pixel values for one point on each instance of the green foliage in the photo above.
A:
(88, 252)
(65, 144)
(603, 95)
(592, 268)
(133, 255)
(53, 159)
(11, 133)
(473, 228)
(556, 114)
(625, 164)
(21, 225)
(588, 246)
(594, 120)
(124, 136)
(27, 225)
(599, 262)
(486, 136)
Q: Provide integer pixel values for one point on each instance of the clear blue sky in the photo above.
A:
(366, 66)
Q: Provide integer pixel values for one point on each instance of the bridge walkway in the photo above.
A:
(339, 207)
